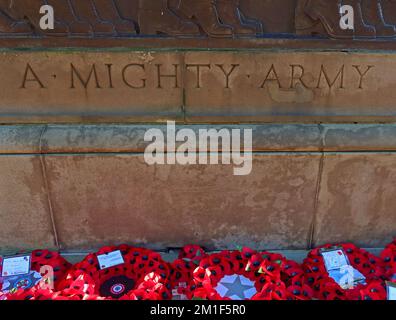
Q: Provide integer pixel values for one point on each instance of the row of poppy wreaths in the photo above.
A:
(227, 275)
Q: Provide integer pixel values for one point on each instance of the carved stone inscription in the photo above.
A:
(197, 86)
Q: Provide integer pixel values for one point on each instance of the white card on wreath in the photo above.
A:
(391, 289)
(347, 277)
(110, 259)
(15, 266)
(335, 259)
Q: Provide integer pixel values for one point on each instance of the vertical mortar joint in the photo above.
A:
(47, 188)
(311, 236)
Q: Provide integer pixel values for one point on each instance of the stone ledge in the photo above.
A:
(20, 139)
(129, 138)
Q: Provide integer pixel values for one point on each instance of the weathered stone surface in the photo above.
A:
(95, 138)
(130, 138)
(73, 138)
(101, 199)
(24, 212)
(20, 138)
(290, 86)
(200, 87)
(359, 137)
(357, 199)
(88, 86)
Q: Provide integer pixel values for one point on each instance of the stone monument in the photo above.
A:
(76, 101)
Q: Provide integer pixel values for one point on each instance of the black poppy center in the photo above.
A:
(116, 287)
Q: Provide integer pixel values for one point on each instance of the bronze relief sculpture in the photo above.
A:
(321, 17)
(197, 18)
(72, 17)
(214, 18)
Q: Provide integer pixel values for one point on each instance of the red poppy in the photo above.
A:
(258, 275)
(376, 290)
(181, 270)
(389, 258)
(192, 252)
(325, 288)
(59, 265)
(143, 275)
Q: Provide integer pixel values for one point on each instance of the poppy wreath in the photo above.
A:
(248, 275)
(143, 276)
(41, 258)
(59, 265)
(182, 269)
(326, 288)
(80, 289)
(389, 258)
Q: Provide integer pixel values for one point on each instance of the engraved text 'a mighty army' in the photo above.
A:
(194, 75)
